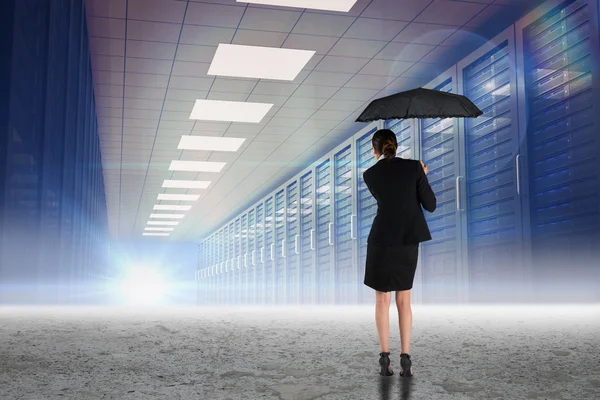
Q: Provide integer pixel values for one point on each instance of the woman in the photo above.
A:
(400, 187)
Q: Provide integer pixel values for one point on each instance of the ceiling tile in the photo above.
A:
(256, 38)
(186, 52)
(156, 10)
(146, 80)
(286, 122)
(183, 125)
(106, 27)
(419, 33)
(404, 52)
(264, 19)
(107, 63)
(266, 98)
(386, 67)
(106, 8)
(143, 104)
(109, 90)
(144, 49)
(349, 65)
(153, 31)
(300, 102)
(107, 47)
(144, 93)
(140, 123)
(185, 68)
(283, 112)
(322, 24)
(185, 95)
(109, 112)
(422, 70)
(450, 12)
(227, 96)
(319, 44)
(280, 89)
(188, 83)
(404, 10)
(171, 105)
(205, 35)
(369, 81)
(347, 93)
(108, 78)
(318, 78)
(332, 115)
(374, 29)
(321, 92)
(466, 37)
(233, 85)
(148, 66)
(342, 105)
(357, 48)
(213, 15)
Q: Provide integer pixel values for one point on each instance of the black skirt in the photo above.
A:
(391, 268)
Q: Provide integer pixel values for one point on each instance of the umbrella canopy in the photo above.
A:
(420, 103)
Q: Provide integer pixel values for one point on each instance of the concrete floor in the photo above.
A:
(297, 353)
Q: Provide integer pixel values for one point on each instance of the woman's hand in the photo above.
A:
(425, 168)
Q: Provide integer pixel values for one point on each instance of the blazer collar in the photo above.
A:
(381, 157)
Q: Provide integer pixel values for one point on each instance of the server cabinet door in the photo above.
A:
(494, 232)
(244, 259)
(366, 210)
(279, 249)
(441, 258)
(270, 250)
(236, 262)
(560, 105)
(260, 254)
(307, 240)
(324, 233)
(250, 261)
(344, 274)
(233, 292)
(291, 244)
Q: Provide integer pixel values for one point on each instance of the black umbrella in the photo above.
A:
(420, 103)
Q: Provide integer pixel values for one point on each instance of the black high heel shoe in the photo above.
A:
(384, 362)
(406, 365)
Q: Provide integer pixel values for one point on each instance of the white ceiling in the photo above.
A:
(150, 60)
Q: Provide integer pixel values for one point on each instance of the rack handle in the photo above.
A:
(330, 232)
(518, 174)
(352, 224)
(262, 255)
(297, 243)
(312, 239)
(458, 193)
(253, 257)
(283, 248)
(272, 251)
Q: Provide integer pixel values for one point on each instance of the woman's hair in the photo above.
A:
(385, 143)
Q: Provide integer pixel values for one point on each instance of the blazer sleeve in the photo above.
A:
(424, 192)
(367, 183)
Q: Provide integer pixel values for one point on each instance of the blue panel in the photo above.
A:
(260, 249)
(307, 275)
(563, 140)
(279, 237)
(227, 269)
(440, 256)
(292, 258)
(344, 277)
(243, 258)
(403, 130)
(232, 257)
(367, 208)
(493, 217)
(251, 248)
(239, 283)
(323, 267)
(269, 245)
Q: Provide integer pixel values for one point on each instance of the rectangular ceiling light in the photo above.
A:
(178, 197)
(159, 229)
(229, 111)
(196, 166)
(154, 234)
(166, 207)
(330, 5)
(186, 184)
(210, 143)
(167, 223)
(259, 62)
(167, 216)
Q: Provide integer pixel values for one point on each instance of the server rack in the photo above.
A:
(558, 62)
(494, 229)
(260, 254)
(237, 261)
(233, 287)
(292, 245)
(307, 239)
(244, 257)
(280, 272)
(343, 234)
(442, 258)
(324, 232)
(225, 263)
(251, 257)
(270, 249)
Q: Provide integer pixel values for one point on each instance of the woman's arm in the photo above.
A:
(424, 192)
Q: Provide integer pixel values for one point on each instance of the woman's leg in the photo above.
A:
(404, 318)
(382, 318)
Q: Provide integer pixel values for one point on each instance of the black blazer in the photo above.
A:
(400, 187)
